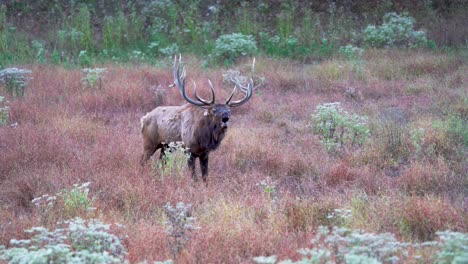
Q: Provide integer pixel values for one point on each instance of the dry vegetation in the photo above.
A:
(66, 134)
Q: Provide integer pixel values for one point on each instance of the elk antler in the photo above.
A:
(246, 90)
(179, 81)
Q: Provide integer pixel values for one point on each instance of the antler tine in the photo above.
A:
(248, 91)
(179, 81)
(203, 100)
(253, 66)
(248, 94)
(212, 91)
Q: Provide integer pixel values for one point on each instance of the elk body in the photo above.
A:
(200, 124)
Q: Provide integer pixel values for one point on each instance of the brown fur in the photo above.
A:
(200, 129)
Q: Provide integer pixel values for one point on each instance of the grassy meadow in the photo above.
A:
(272, 182)
(352, 148)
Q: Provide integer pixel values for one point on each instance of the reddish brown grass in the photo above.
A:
(67, 135)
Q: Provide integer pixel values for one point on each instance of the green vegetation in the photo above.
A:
(92, 77)
(73, 241)
(154, 28)
(342, 245)
(180, 223)
(230, 47)
(338, 128)
(173, 162)
(396, 31)
(14, 80)
(3, 112)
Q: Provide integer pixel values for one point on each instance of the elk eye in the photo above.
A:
(225, 119)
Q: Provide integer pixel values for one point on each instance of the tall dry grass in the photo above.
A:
(67, 134)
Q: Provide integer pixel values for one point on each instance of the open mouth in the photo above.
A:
(224, 124)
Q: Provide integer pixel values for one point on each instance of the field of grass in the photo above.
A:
(409, 178)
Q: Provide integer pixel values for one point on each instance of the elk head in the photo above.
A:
(218, 113)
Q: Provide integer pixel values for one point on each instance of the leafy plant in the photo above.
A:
(268, 186)
(82, 23)
(39, 47)
(342, 245)
(74, 241)
(92, 77)
(14, 80)
(174, 159)
(397, 30)
(453, 247)
(76, 200)
(351, 52)
(340, 216)
(232, 46)
(4, 111)
(337, 127)
(170, 50)
(179, 226)
(417, 138)
(68, 203)
(3, 29)
(84, 59)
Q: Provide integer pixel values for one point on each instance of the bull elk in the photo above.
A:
(200, 124)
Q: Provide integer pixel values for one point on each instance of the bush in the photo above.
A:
(396, 31)
(453, 247)
(351, 52)
(279, 47)
(14, 80)
(179, 225)
(67, 203)
(75, 241)
(337, 127)
(4, 110)
(174, 160)
(92, 77)
(232, 46)
(342, 245)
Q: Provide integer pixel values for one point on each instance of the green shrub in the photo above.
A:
(351, 52)
(74, 241)
(40, 51)
(453, 247)
(3, 30)
(170, 50)
(397, 30)
(92, 77)
(84, 59)
(232, 46)
(14, 80)
(76, 200)
(68, 203)
(179, 226)
(4, 112)
(279, 47)
(337, 127)
(174, 160)
(342, 245)
(82, 22)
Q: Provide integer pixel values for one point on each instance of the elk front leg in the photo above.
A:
(204, 166)
(191, 165)
(148, 151)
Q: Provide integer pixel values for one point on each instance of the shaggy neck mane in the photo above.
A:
(210, 133)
